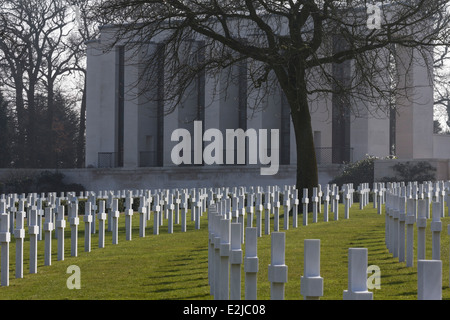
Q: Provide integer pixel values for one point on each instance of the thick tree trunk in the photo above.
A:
(296, 93)
(21, 156)
(32, 132)
(82, 129)
(307, 176)
(51, 161)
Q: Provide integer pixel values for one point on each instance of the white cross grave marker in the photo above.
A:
(115, 221)
(74, 221)
(5, 239)
(235, 262)
(436, 227)
(410, 220)
(19, 235)
(305, 201)
(60, 225)
(33, 231)
(102, 216)
(251, 264)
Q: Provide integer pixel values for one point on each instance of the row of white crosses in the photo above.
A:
(363, 191)
(330, 197)
(165, 203)
(225, 260)
(357, 256)
(42, 221)
(379, 196)
(409, 204)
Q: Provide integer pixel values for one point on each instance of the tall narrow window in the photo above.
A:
(285, 131)
(242, 94)
(200, 55)
(392, 122)
(318, 145)
(160, 104)
(201, 82)
(341, 106)
(120, 103)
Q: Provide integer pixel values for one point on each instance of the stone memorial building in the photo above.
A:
(124, 130)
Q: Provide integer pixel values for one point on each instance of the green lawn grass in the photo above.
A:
(175, 266)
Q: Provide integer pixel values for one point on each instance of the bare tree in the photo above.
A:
(442, 99)
(37, 51)
(13, 62)
(298, 45)
(86, 25)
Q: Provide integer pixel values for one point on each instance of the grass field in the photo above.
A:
(175, 266)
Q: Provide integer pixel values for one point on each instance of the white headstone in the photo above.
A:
(357, 275)
(250, 209)
(48, 228)
(267, 208)
(33, 231)
(436, 228)
(212, 211)
(128, 218)
(295, 203)
(235, 262)
(156, 215)
(101, 223)
(396, 215)
(74, 222)
(429, 279)
(311, 283)
(259, 211)
(335, 200)
(326, 203)
(19, 235)
(225, 234)
(401, 229)
(5, 239)
(276, 211)
(60, 225)
(410, 220)
(251, 264)
(115, 221)
(346, 199)
(184, 208)
(142, 215)
(217, 234)
(278, 270)
(315, 203)
(305, 201)
(286, 207)
(40, 212)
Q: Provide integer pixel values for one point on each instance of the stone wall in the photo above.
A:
(384, 168)
(441, 146)
(95, 179)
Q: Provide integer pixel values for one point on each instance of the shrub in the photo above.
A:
(420, 172)
(357, 172)
(31, 181)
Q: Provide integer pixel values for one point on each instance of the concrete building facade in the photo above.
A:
(125, 130)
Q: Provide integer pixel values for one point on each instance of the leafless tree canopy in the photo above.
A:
(273, 34)
(292, 45)
(38, 51)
